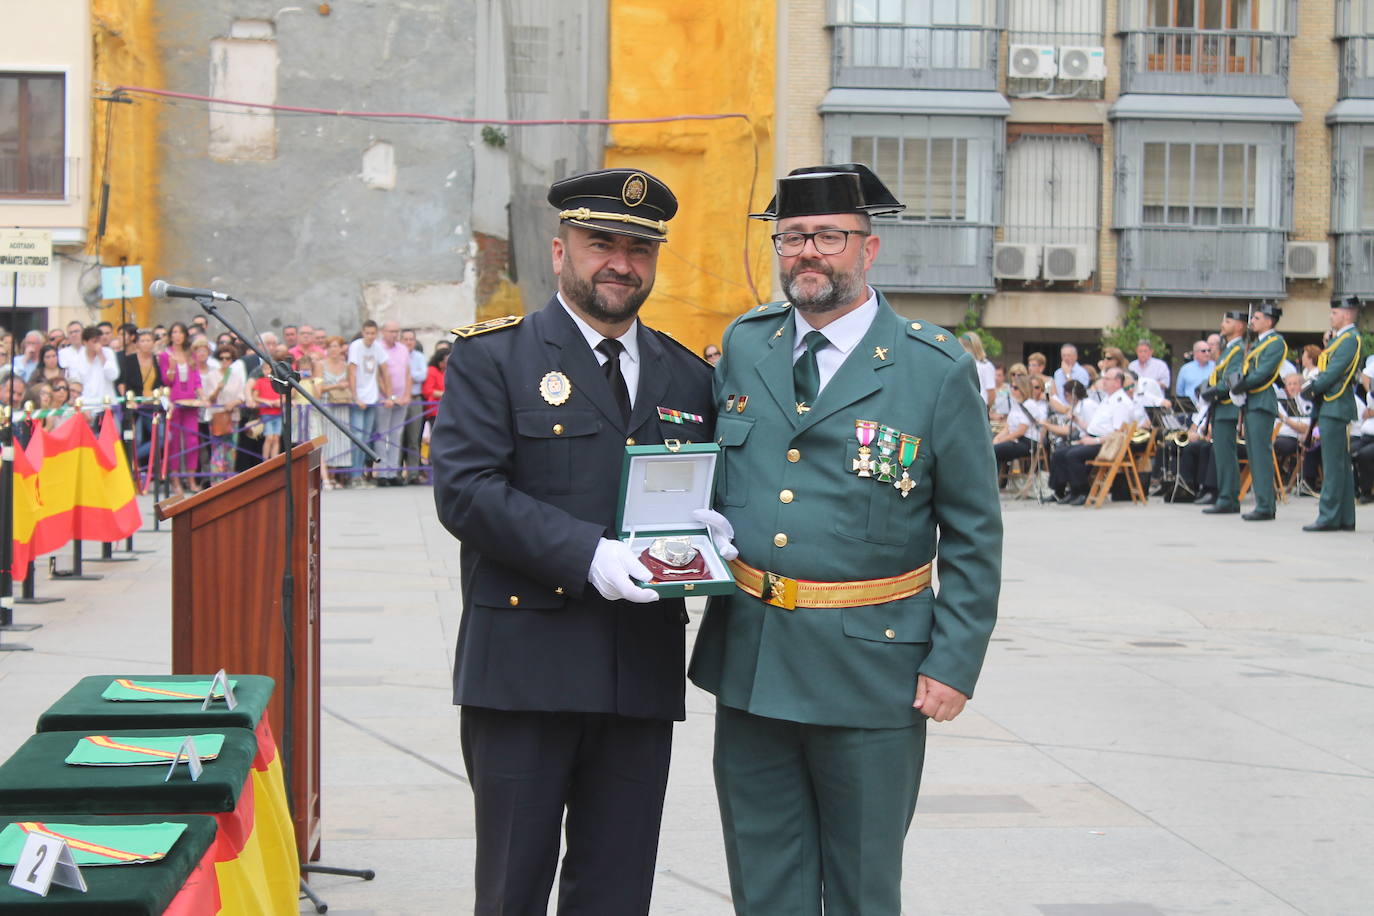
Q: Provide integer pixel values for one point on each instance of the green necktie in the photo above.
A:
(806, 378)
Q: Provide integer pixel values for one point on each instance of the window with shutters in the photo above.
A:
(1206, 212)
(916, 44)
(1352, 207)
(946, 170)
(1222, 47)
(33, 160)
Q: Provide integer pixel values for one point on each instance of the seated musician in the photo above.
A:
(1022, 430)
(1196, 470)
(1292, 428)
(1069, 466)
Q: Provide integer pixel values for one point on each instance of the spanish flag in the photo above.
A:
(26, 510)
(106, 508)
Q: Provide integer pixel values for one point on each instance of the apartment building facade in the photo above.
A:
(1060, 159)
(45, 144)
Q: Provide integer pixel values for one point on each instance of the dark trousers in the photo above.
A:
(1069, 468)
(1227, 457)
(1362, 455)
(1285, 452)
(1337, 506)
(1196, 467)
(608, 772)
(1012, 449)
(1259, 427)
(815, 814)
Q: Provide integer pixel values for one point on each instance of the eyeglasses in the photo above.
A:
(59, 387)
(826, 241)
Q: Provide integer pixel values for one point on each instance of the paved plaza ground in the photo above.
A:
(1176, 717)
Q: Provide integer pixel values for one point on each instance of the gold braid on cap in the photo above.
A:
(584, 213)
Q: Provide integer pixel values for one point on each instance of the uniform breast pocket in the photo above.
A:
(732, 477)
(879, 514)
(545, 448)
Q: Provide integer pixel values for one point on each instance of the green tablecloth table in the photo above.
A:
(115, 890)
(35, 778)
(83, 707)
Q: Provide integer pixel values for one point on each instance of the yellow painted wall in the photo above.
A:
(126, 53)
(711, 56)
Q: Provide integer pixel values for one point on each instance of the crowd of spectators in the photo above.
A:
(1066, 415)
(218, 410)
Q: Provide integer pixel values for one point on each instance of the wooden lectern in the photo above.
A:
(227, 555)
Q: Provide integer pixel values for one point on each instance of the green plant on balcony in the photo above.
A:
(1133, 329)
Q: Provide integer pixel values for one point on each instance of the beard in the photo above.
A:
(584, 294)
(839, 289)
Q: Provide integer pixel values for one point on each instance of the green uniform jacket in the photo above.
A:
(1261, 368)
(784, 474)
(1228, 365)
(1334, 393)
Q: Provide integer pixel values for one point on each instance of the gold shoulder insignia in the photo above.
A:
(491, 324)
(935, 336)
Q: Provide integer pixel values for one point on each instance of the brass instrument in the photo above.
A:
(1178, 437)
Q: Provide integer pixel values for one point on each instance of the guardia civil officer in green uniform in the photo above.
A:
(569, 673)
(1225, 413)
(1332, 393)
(855, 455)
(1260, 370)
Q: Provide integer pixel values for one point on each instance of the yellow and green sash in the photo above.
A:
(125, 688)
(113, 751)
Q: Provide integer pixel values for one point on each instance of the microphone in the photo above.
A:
(161, 289)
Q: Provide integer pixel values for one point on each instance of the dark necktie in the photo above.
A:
(611, 350)
(806, 378)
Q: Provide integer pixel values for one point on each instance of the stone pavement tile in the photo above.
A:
(387, 811)
(975, 762)
(385, 700)
(414, 877)
(1016, 805)
(1198, 792)
(1320, 868)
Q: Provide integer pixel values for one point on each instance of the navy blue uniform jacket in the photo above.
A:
(529, 489)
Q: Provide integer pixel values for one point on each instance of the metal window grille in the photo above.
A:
(1053, 191)
(1199, 184)
(1228, 47)
(33, 160)
(1355, 30)
(950, 44)
(1352, 207)
(1066, 23)
(928, 174)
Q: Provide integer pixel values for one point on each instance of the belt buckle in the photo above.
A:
(780, 591)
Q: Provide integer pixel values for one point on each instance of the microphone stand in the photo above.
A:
(286, 380)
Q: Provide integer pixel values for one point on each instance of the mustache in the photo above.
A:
(610, 276)
(816, 265)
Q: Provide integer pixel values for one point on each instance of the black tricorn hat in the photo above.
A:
(821, 189)
(1271, 308)
(1238, 315)
(1347, 302)
(620, 201)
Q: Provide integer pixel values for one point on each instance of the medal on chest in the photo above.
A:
(864, 431)
(906, 453)
(887, 443)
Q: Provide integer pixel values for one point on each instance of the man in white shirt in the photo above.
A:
(1146, 365)
(71, 345)
(94, 366)
(414, 419)
(1069, 367)
(1069, 465)
(368, 383)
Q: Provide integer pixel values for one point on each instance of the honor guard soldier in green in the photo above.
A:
(1225, 413)
(569, 673)
(855, 457)
(1332, 393)
(1260, 370)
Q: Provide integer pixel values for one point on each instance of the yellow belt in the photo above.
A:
(791, 594)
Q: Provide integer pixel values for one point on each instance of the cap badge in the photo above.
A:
(636, 186)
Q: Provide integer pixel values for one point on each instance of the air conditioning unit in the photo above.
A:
(1082, 63)
(1307, 260)
(1031, 62)
(1068, 262)
(1015, 262)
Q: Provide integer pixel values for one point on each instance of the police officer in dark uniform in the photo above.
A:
(569, 673)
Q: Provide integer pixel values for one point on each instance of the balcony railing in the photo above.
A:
(933, 257)
(37, 177)
(1199, 62)
(1354, 264)
(915, 57)
(1201, 262)
(1357, 67)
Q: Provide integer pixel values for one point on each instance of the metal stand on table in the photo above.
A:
(286, 380)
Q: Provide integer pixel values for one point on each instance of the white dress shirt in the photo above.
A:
(629, 356)
(1114, 412)
(844, 334)
(97, 377)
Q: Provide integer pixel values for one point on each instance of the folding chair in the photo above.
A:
(1114, 457)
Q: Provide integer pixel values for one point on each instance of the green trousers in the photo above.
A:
(1259, 447)
(1227, 462)
(1337, 506)
(815, 814)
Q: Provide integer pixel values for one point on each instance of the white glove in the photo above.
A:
(722, 532)
(612, 568)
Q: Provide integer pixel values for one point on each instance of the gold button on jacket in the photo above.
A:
(780, 540)
(786, 496)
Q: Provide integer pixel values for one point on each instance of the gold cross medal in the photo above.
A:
(864, 430)
(906, 454)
